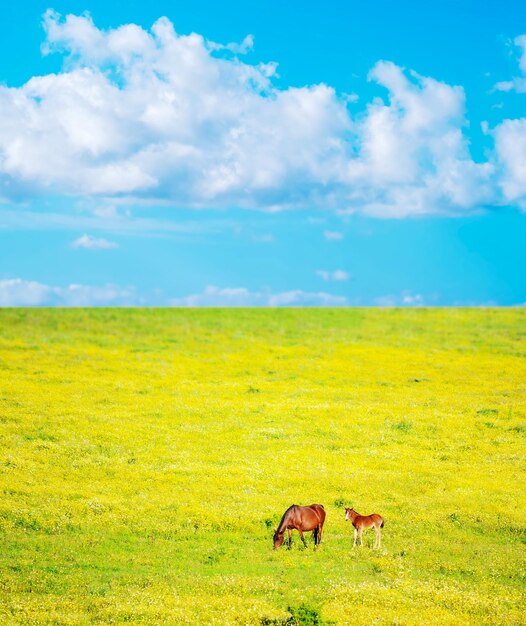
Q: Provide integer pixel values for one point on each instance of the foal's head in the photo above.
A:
(349, 513)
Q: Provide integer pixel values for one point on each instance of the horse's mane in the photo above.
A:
(281, 527)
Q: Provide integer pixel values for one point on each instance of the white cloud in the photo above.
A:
(412, 299)
(237, 48)
(337, 275)
(510, 141)
(404, 299)
(510, 145)
(161, 116)
(414, 158)
(92, 243)
(517, 83)
(505, 85)
(170, 121)
(332, 235)
(214, 296)
(351, 97)
(19, 292)
(304, 298)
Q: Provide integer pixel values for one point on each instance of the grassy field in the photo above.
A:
(146, 457)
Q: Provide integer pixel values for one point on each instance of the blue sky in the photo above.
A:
(262, 154)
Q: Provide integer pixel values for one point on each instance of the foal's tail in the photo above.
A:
(382, 524)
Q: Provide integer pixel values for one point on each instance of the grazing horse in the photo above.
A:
(302, 518)
(364, 521)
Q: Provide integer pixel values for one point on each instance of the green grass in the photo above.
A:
(146, 457)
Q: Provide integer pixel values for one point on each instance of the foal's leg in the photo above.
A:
(360, 536)
(355, 536)
(378, 538)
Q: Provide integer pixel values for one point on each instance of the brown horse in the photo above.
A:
(364, 521)
(303, 519)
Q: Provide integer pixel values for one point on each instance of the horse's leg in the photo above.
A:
(290, 538)
(302, 537)
(320, 528)
(315, 535)
(355, 536)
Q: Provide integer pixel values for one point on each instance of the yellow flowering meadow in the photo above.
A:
(146, 456)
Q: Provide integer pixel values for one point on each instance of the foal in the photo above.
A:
(364, 521)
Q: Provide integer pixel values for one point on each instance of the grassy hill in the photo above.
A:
(146, 457)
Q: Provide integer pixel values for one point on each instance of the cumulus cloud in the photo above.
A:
(214, 296)
(414, 157)
(159, 115)
(92, 243)
(337, 275)
(26, 293)
(156, 115)
(510, 146)
(510, 141)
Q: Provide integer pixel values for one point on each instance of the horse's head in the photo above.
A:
(278, 539)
